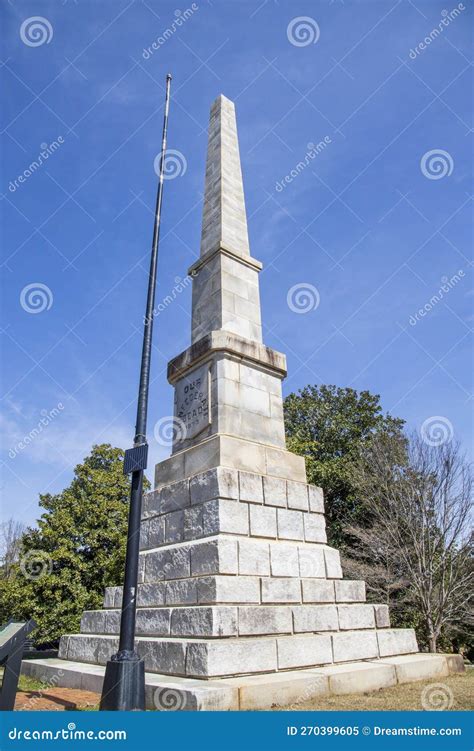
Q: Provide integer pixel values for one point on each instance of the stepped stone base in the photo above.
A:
(285, 690)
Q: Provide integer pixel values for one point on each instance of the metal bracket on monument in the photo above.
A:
(135, 458)
(12, 643)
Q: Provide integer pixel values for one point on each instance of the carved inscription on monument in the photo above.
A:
(192, 397)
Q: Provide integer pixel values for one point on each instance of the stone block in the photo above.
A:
(175, 496)
(251, 487)
(417, 667)
(215, 483)
(226, 589)
(193, 522)
(359, 677)
(174, 526)
(167, 656)
(262, 521)
(224, 516)
(214, 557)
(297, 494)
(314, 618)
(455, 663)
(290, 524)
(151, 595)
(204, 621)
(181, 592)
(311, 562)
(230, 657)
(396, 641)
(349, 591)
(281, 690)
(316, 499)
(153, 621)
(354, 645)
(93, 622)
(169, 563)
(254, 558)
(112, 622)
(152, 532)
(284, 560)
(109, 597)
(317, 590)
(281, 590)
(303, 651)
(264, 620)
(382, 616)
(355, 617)
(274, 491)
(314, 528)
(333, 563)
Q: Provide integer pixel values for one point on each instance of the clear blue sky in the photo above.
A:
(371, 222)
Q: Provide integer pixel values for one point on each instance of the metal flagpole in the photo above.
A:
(124, 681)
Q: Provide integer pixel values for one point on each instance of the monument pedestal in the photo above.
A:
(241, 601)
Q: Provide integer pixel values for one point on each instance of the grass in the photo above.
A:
(402, 697)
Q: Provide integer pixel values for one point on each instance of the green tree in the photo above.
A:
(77, 549)
(329, 426)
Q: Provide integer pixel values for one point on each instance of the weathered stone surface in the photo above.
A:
(218, 556)
(166, 656)
(168, 563)
(227, 589)
(263, 521)
(152, 532)
(281, 590)
(317, 590)
(231, 656)
(204, 621)
(181, 592)
(316, 499)
(264, 620)
(174, 526)
(382, 616)
(314, 528)
(153, 621)
(215, 483)
(418, 667)
(284, 560)
(315, 618)
(285, 690)
(222, 516)
(297, 493)
(93, 622)
(359, 677)
(173, 497)
(349, 591)
(151, 595)
(333, 563)
(254, 558)
(251, 487)
(355, 616)
(290, 524)
(311, 561)
(274, 491)
(354, 645)
(396, 641)
(302, 651)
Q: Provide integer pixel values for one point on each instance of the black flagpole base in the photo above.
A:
(124, 684)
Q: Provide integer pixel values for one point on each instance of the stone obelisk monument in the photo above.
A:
(241, 602)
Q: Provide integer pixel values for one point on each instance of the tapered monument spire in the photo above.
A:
(224, 219)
